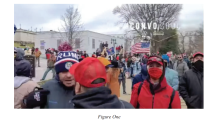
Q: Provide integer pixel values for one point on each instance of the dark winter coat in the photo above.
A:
(99, 98)
(191, 88)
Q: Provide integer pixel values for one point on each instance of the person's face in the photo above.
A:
(179, 57)
(154, 64)
(67, 79)
(192, 60)
(84, 52)
(198, 58)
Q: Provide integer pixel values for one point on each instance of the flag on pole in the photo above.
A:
(141, 47)
(111, 51)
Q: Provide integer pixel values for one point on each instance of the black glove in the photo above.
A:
(36, 98)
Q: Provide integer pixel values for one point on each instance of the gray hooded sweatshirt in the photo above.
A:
(19, 80)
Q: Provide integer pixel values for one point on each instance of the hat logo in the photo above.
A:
(68, 65)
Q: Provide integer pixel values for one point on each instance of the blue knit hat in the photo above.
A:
(64, 60)
(166, 57)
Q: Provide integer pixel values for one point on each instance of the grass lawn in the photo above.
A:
(18, 45)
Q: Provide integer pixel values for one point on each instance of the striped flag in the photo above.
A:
(141, 47)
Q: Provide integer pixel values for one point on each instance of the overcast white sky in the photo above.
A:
(97, 18)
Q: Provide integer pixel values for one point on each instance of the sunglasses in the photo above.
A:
(179, 57)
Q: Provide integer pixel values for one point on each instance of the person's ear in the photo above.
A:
(77, 88)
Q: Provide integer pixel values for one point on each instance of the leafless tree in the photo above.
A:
(72, 25)
(182, 41)
(199, 38)
(161, 14)
(195, 42)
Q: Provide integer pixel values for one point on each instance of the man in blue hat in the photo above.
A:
(170, 74)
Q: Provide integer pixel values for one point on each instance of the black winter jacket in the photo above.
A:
(191, 88)
(99, 98)
(59, 96)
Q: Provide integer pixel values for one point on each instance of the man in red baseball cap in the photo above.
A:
(191, 84)
(154, 92)
(90, 76)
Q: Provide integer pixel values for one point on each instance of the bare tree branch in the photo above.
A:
(148, 13)
(72, 26)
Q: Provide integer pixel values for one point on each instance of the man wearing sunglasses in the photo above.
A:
(191, 84)
(154, 92)
(180, 66)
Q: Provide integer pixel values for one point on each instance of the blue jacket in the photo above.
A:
(135, 68)
(172, 78)
(141, 76)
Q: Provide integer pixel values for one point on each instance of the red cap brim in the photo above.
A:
(198, 53)
(155, 61)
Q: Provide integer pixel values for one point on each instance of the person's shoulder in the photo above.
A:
(190, 71)
(50, 83)
(184, 62)
(172, 71)
(137, 85)
(30, 83)
(126, 105)
(29, 86)
(138, 76)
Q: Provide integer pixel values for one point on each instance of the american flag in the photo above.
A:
(141, 47)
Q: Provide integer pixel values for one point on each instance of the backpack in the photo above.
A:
(171, 99)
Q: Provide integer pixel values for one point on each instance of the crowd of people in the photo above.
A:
(80, 81)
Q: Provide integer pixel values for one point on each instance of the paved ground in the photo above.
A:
(43, 63)
(40, 71)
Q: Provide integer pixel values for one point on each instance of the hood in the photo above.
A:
(144, 71)
(20, 54)
(19, 80)
(97, 98)
(23, 68)
(166, 57)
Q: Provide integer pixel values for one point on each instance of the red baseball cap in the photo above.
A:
(198, 53)
(89, 70)
(155, 59)
(72, 68)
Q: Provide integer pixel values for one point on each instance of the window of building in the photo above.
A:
(77, 43)
(58, 42)
(42, 45)
(93, 43)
